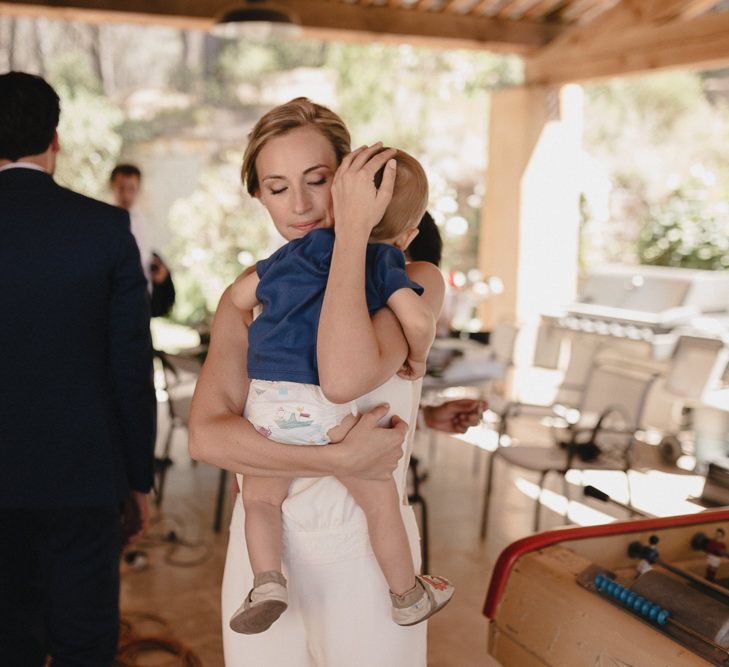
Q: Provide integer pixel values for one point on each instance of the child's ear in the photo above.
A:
(406, 238)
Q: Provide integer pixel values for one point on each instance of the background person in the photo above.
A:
(77, 405)
(125, 182)
(459, 415)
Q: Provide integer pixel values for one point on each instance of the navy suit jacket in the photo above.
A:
(77, 403)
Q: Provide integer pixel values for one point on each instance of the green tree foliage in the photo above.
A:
(218, 231)
(90, 144)
(652, 134)
(688, 228)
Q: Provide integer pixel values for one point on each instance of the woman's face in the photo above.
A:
(295, 172)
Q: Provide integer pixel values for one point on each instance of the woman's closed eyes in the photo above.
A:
(320, 181)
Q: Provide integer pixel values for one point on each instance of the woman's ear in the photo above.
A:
(406, 238)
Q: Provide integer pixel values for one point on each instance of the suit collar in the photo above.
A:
(24, 179)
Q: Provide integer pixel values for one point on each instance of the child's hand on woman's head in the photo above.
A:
(358, 205)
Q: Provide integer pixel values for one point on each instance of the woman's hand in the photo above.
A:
(370, 451)
(358, 205)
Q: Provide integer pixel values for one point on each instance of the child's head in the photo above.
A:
(400, 222)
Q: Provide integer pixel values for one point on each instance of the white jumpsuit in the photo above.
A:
(339, 607)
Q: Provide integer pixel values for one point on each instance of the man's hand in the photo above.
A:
(370, 451)
(454, 416)
(158, 270)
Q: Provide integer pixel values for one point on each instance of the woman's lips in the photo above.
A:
(306, 226)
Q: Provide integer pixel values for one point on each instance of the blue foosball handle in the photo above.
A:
(636, 603)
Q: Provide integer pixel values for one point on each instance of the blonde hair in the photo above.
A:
(409, 199)
(299, 112)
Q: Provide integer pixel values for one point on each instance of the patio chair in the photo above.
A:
(599, 435)
(180, 375)
(695, 368)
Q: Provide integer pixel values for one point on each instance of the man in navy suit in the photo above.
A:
(77, 406)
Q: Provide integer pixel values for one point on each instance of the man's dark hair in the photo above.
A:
(29, 113)
(125, 170)
(427, 246)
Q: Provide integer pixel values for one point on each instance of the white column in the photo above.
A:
(530, 217)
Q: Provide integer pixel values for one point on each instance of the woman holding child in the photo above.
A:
(347, 571)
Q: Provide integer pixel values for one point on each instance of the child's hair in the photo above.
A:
(409, 199)
(299, 112)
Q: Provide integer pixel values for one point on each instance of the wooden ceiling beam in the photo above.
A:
(695, 8)
(518, 9)
(487, 7)
(320, 19)
(460, 6)
(633, 37)
(542, 8)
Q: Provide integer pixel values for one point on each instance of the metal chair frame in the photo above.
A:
(573, 435)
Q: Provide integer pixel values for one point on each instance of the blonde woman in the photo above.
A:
(339, 609)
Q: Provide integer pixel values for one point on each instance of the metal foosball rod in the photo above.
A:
(647, 609)
(650, 555)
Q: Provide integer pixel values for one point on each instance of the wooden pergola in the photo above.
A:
(530, 215)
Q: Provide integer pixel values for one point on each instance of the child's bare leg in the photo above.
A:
(381, 505)
(262, 498)
(267, 600)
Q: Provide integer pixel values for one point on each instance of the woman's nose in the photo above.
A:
(302, 201)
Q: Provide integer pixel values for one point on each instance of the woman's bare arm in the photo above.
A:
(221, 436)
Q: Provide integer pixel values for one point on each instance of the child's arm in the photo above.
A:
(418, 324)
(243, 290)
(374, 347)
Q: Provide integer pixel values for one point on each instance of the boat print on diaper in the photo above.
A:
(294, 419)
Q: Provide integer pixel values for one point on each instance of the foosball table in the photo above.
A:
(645, 593)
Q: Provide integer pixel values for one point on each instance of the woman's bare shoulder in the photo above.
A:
(429, 277)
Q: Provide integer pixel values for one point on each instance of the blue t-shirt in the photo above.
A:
(282, 339)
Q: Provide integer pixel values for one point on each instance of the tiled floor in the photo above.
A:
(187, 598)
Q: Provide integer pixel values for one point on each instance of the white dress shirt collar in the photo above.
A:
(22, 165)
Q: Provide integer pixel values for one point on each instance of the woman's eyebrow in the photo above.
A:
(317, 166)
(306, 171)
